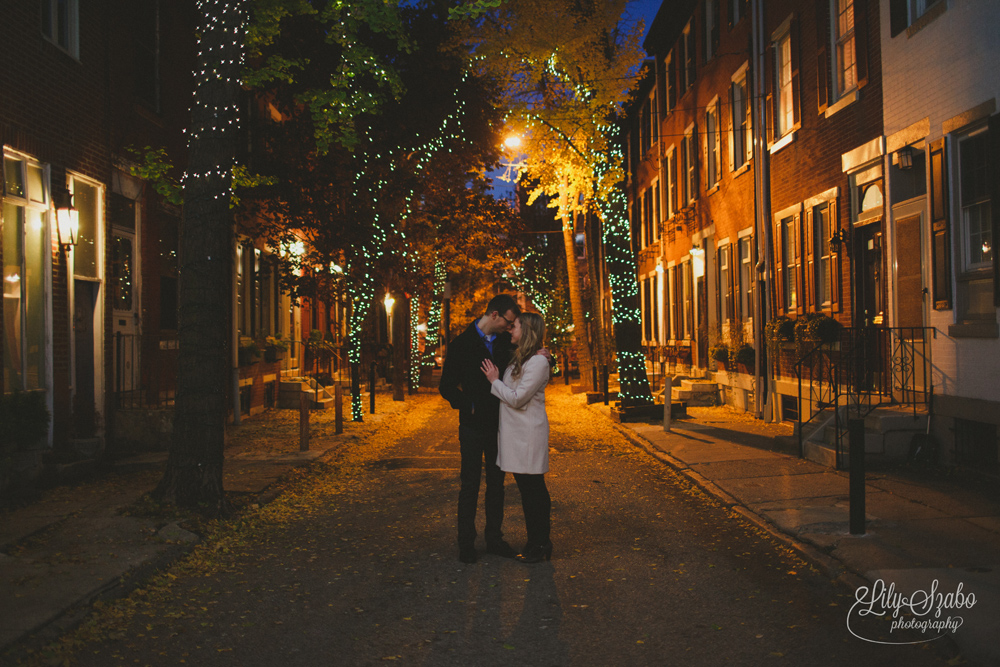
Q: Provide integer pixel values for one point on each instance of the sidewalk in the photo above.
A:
(74, 546)
(918, 530)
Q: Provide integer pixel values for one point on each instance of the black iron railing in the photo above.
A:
(145, 377)
(866, 368)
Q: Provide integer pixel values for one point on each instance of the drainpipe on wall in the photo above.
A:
(762, 213)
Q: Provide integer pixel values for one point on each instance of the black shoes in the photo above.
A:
(535, 553)
(467, 554)
(500, 548)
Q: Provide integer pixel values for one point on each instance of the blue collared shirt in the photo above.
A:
(487, 339)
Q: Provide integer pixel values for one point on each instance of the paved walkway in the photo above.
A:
(73, 546)
(918, 530)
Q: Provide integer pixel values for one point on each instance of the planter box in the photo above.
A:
(273, 354)
(246, 356)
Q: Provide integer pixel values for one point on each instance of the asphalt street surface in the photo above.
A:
(356, 564)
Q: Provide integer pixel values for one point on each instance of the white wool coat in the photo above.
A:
(524, 426)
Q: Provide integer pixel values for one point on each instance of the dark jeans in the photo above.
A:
(537, 505)
(477, 446)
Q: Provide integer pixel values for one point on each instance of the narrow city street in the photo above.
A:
(356, 564)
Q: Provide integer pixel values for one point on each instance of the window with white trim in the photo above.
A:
(823, 257)
(790, 262)
(713, 165)
(671, 166)
(711, 28)
(975, 280)
(746, 280)
(785, 116)
(689, 172)
(61, 24)
(686, 62)
(845, 60)
(725, 284)
(26, 244)
(740, 110)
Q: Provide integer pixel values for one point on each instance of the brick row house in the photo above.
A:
(91, 327)
(770, 177)
(942, 161)
(84, 82)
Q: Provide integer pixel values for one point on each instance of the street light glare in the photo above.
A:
(513, 141)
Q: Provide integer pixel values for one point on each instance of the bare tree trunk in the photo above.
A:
(581, 344)
(597, 315)
(194, 469)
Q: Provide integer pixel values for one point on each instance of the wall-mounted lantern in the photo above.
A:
(67, 219)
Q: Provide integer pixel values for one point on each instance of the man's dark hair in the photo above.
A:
(502, 303)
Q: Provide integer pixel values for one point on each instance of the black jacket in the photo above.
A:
(463, 383)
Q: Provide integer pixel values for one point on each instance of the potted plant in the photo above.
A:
(274, 348)
(746, 356)
(779, 330)
(720, 353)
(248, 351)
(819, 328)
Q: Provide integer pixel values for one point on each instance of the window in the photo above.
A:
(725, 285)
(686, 63)
(654, 298)
(904, 13)
(713, 167)
(823, 258)
(689, 173)
(737, 10)
(645, 125)
(711, 28)
(746, 277)
(654, 124)
(671, 169)
(843, 33)
(146, 40)
(975, 283)
(688, 294)
(742, 139)
(790, 264)
(87, 202)
(61, 24)
(785, 116)
(656, 210)
(647, 217)
(672, 296)
(25, 230)
(647, 311)
(670, 97)
(975, 197)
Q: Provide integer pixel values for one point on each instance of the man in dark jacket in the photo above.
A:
(464, 385)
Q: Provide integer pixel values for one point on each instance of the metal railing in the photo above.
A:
(866, 368)
(144, 377)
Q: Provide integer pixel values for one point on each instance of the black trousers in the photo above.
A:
(479, 448)
(537, 506)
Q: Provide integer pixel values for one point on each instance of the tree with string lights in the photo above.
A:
(565, 69)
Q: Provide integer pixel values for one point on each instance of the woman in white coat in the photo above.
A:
(524, 430)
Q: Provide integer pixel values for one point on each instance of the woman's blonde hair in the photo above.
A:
(532, 337)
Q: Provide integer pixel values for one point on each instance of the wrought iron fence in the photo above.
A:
(867, 367)
(145, 376)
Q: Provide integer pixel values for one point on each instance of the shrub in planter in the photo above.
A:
(746, 355)
(248, 352)
(779, 330)
(822, 328)
(719, 353)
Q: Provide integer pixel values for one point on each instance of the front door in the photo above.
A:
(911, 294)
(124, 295)
(869, 310)
(869, 307)
(84, 403)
